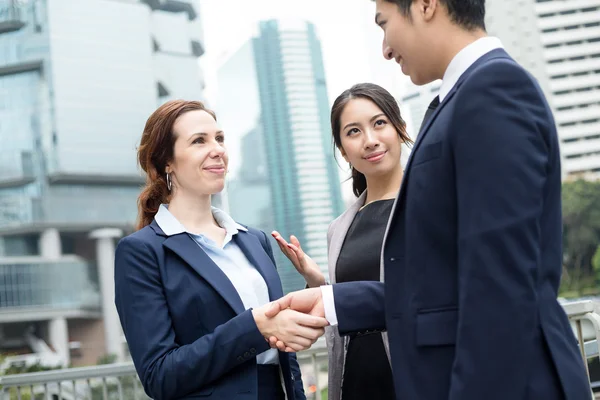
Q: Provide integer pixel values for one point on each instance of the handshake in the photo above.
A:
(294, 322)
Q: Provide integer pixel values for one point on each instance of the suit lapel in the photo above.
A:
(189, 251)
(497, 53)
(341, 229)
(255, 253)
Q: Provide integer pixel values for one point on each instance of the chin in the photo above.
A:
(217, 189)
(420, 80)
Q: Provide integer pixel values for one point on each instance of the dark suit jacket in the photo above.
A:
(473, 253)
(187, 330)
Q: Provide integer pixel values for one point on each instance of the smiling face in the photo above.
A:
(200, 158)
(368, 140)
(407, 38)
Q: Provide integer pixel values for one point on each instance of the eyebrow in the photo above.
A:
(204, 134)
(373, 118)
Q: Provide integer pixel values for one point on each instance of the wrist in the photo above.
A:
(315, 280)
(261, 320)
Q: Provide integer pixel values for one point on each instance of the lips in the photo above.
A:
(374, 157)
(215, 169)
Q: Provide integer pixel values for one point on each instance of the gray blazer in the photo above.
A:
(336, 345)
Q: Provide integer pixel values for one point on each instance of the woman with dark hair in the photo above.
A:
(192, 285)
(369, 132)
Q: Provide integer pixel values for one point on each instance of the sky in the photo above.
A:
(350, 42)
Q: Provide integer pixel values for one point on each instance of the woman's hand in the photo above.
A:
(303, 263)
(297, 330)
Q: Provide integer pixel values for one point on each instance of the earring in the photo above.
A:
(169, 184)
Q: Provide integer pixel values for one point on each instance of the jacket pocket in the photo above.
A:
(437, 327)
(204, 392)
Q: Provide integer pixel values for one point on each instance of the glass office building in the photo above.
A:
(283, 95)
(78, 79)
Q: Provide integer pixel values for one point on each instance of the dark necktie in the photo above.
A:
(432, 106)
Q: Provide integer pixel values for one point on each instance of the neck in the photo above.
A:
(452, 43)
(384, 187)
(193, 212)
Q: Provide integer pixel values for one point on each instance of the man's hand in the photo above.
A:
(297, 330)
(307, 301)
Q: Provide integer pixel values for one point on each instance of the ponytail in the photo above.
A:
(152, 196)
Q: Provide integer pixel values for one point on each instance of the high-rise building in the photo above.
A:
(249, 194)
(559, 42)
(77, 81)
(284, 88)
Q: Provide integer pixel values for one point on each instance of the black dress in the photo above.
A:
(367, 372)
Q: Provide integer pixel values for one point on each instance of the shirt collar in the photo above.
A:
(171, 226)
(464, 59)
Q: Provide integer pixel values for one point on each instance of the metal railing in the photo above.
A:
(113, 381)
(120, 381)
(585, 321)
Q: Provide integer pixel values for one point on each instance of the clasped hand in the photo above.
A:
(294, 322)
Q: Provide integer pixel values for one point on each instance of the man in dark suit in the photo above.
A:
(473, 250)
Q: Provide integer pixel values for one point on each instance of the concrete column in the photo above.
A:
(105, 260)
(50, 245)
(58, 333)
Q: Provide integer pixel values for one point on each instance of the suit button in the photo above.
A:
(392, 259)
(253, 351)
(246, 354)
(240, 359)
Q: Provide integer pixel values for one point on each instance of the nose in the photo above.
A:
(387, 51)
(371, 140)
(218, 150)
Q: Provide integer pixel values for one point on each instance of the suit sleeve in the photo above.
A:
(166, 369)
(501, 160)
(359, 306)
(294, 366)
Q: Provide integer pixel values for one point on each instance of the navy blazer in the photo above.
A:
(473, 253)
(187, 330)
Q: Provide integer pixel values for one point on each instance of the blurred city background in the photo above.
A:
(78, 79)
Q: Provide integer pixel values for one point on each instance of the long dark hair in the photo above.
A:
(156, 151)
(386, 103)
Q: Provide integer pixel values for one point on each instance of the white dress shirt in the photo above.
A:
(459, 64)
(246, 279)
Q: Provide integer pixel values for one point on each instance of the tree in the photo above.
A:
(581, 234)
(596, 264)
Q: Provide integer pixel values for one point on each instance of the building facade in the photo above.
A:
(558, 41)
(77, 82)
(286, 92)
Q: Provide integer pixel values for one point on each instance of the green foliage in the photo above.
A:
(581, 238)
(107, 359)
(596, 264)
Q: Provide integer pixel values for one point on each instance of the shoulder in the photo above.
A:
(349, 213)
(253, 231)
(498, 73)
(259, 234)
(144, 238)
